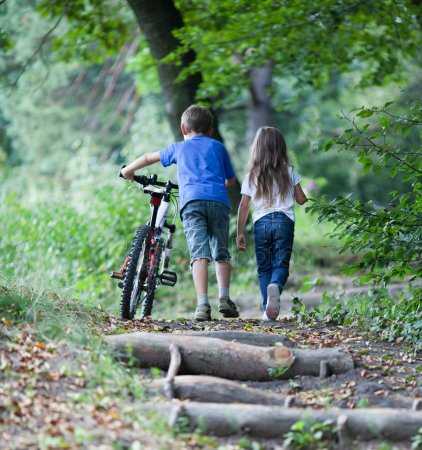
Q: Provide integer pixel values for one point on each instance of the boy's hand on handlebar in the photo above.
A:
(127, 173)
(241, 242)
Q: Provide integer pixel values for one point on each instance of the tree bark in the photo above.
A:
(273, 422)
(211, 356)
(203, 356)
(203, 388)
(158, 19)
(260, 110)
(244, 337)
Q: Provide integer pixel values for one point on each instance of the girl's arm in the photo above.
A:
(145, 160)
(242, 217)
(231, 182)
(300, 196)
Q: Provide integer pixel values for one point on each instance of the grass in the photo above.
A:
(64, 339)
(390, 318)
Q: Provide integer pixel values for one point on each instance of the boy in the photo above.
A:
(204, 172)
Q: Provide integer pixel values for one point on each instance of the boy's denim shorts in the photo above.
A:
(206, 225)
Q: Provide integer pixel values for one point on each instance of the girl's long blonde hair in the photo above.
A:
(269, 164)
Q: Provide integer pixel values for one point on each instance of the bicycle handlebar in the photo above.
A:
(150, 180)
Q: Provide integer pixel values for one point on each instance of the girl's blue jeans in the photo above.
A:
(273, 247)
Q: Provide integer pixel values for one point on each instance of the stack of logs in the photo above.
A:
(207, 395)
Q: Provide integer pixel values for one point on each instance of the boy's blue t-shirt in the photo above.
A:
(203, 166)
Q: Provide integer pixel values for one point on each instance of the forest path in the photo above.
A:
(339, 287)
(48, 399)
(385, 374)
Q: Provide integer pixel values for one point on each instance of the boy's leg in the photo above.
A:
(223, 271)
(226, 306)
(200, 277)
(195, 226)
(218, 228)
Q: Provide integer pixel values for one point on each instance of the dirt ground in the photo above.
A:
(42, 405)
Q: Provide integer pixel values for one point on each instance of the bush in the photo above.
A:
(70, 243)
(389, 318)
(389, 237)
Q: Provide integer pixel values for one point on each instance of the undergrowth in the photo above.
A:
(392, 318)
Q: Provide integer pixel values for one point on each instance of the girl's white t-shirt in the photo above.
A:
(260, 207)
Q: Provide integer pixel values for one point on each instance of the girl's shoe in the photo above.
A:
(273, 301)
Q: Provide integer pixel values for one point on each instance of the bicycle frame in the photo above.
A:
(160, 207)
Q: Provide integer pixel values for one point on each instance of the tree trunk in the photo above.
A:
(203, 388)
(244, 337)
(211, 356)
(158, 19)
(273, 422)
(260, 110)
(203, 356)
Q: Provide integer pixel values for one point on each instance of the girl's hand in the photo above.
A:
(241, 242)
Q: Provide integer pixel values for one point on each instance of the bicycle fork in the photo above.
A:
(167, 277)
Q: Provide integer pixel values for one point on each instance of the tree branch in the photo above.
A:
(43, 41)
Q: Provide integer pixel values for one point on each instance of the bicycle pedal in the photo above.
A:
(116, 275)
(168, 278)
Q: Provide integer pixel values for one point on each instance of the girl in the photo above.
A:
(273, 186)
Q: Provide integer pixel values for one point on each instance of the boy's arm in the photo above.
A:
(242, 217)
(300, 196)
(145, 160)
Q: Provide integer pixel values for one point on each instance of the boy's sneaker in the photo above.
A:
(265, 317)
(273, 301)
(202, 313)
(227, 308)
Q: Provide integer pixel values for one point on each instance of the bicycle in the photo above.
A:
(144, 267)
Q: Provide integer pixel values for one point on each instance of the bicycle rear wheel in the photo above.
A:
(136, 273)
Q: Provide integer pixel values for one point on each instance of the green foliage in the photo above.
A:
(305, 435)
(388, 317)
(246, 444)
(230, 38)
(277, 372)
(417, 440)
(388, 238)
(71, 244)
(52, 317)
(94, 29)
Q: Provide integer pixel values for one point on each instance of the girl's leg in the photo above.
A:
(263, 257)
(282, 245)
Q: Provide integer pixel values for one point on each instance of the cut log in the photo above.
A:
(273, 422)
(245, 337)
(203, 388)
(308, 361)
(211, 356)
(204, 356)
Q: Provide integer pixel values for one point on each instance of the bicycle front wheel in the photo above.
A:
(152, 278)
